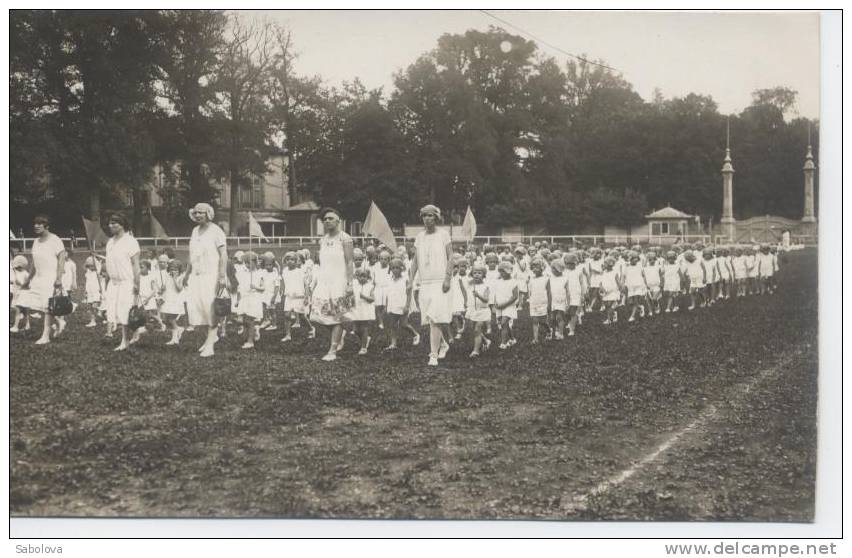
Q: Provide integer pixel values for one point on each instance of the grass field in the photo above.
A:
(706, 415)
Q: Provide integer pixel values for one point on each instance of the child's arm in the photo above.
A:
(484, 297)
(514, 297)
(547, 290)
(179, 282)
(567, 293)
(408, 293)
(371, 296)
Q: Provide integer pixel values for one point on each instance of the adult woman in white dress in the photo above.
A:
(122, 266)
(332, 295)
(205, 274)
(433, 254)
(46, 279)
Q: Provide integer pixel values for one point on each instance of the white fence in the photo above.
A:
(310, 241)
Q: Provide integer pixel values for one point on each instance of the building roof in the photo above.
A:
(668, 212)
(309, 205)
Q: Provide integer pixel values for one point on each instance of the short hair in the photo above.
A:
(42, 219)
(326, 210)
(120, 219)
(145, 263)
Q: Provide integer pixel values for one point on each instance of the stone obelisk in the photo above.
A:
(728, 222)
(809, 169)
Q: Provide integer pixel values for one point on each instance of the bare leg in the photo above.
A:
(45, 332)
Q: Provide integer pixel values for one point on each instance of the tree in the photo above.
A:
(782, 98)
(82, 84)
(242, 110)
(191, 42)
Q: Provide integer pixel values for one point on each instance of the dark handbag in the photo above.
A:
(136, 318)
(222, 304)
(59, 304)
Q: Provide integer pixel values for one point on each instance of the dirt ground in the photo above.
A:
(704, 415)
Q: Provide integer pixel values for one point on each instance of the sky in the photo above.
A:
(724, 55)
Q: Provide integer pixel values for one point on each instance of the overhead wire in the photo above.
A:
(546, 43)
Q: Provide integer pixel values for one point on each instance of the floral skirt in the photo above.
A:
(327, 310)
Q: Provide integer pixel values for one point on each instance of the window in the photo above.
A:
(251, 195)
(658, 229)
(356, 228)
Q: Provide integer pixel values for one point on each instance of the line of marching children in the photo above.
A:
(558, 289)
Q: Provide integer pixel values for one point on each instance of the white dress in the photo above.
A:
(329, 305)
(201, 288)
(19, 277)
(119, 296)
(671, 277)
(595, 272)
(538, 296)
(94, 287)
(364, 311)
(69, 277)
(293, 286)
(172, 297)
(634, 281)
(456, 291)
(695, 272)
(252, 293)
(45, 259)
(609, 286)
(503, 294)
(478, 310)
(381, 278)
(575, 286)
(558, 293)
(148, 287)
(435, 304)
(652, 278)
(396, 295)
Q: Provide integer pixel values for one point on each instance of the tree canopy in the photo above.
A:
(99, 98)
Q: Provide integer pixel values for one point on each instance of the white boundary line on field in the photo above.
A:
(578, 501)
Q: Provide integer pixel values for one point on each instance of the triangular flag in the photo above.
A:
(254, 227)
(157, 230)
(94, 233)
(469, 225)
(12, 235)
(376, 224)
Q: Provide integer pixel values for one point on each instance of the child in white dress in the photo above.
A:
(294, 297)
(479, 308)
(610, 290)
(575, 284)
(539, 291)
(505, 303)
(672, 280)
(173, 300)
(637, 288)
(697, 280)
(654, 279)
(492, 275)
(398, 301)
(457, 290)
(252, 290)
(19, 277)
(147, 298)
(558, 296)
(364, 313)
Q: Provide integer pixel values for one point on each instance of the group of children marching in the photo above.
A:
(488, 288)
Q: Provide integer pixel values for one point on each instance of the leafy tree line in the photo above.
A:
(98, 98)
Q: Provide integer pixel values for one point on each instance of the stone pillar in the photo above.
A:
(728, 222)
(809, 169)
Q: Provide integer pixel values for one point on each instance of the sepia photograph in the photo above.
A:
(414, 265)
